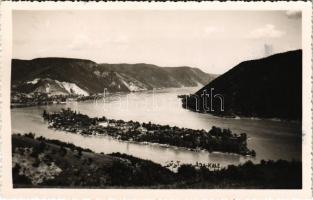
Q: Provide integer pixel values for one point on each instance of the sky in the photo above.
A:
(213, 41)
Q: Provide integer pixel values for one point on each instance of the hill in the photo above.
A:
(72, 76)
(44, 163)
(270, 87)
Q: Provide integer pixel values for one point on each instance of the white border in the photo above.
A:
(6, 35)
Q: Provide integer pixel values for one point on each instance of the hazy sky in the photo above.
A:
(213, 41)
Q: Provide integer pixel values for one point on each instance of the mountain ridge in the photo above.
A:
(93, 77)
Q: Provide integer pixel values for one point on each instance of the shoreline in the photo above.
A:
(62, 99)
(166, 145)
(184, 97)
(238, 117)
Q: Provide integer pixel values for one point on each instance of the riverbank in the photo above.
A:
(20, 100)
(217, 139)
(43, 163)
(188, 102)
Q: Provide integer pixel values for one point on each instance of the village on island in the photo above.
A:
(216, 139)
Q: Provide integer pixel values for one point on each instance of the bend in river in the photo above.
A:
(268, 138)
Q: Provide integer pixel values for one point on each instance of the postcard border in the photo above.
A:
(6, 41)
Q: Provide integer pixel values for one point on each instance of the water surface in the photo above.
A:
(271, 139)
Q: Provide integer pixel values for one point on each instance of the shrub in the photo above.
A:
(36, 163)
(19, 179)
(30, 135)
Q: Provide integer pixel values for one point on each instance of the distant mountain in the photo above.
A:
(270, 87)
(77, 76)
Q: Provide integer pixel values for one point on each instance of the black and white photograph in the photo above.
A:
(157, 99)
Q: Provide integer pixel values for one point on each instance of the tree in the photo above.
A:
(30, 135)
(243, 136)
(79, 153)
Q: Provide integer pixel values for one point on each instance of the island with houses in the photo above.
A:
(216, 139)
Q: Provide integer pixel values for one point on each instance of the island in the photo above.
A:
(216, 139)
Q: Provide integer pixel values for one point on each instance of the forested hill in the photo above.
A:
(270, 87)
(62, 75)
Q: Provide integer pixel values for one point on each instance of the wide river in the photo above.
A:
(271, 139)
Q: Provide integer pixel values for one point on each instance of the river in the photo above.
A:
(271, 139)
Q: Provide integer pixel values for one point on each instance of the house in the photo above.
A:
(104, 124)
(142, 129)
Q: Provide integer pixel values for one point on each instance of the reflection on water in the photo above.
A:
(270, 139)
